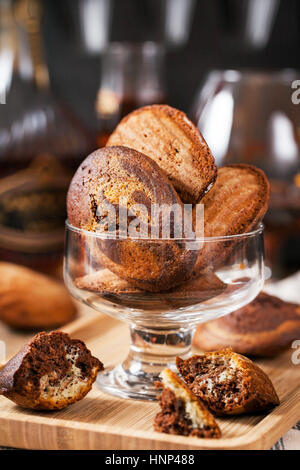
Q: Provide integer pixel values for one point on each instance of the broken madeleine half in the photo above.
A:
(228, 383)
(50, 372)
(181, 411)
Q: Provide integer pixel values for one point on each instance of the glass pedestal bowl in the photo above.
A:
(162, 323)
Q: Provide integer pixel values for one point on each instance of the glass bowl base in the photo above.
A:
(116, 381)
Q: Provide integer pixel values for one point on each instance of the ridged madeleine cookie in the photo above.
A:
(236, 203)
(121, 291)
(228, 383)
(264, 327)
(118, 177)
(168, 137)
(32, 301)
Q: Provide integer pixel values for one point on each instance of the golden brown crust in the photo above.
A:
(152, 267)
(110, 174)
(174, 418)
(46, 362)
(189, 293)
(235, 205)
(264, 327)
(167, 136)
(30, 300)
(106, 176)
(228, 383)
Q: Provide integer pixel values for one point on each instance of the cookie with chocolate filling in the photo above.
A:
(113, 180)
(50, 372)
(168, 137)
(182, 412)
(122, 292)
(228, 383)
(265, 327)
(235, 205)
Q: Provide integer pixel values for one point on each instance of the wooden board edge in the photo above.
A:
(87, 436)
(95, 437)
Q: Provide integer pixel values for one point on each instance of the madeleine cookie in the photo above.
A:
(168, 137)
(264, 327)
(51, 372)
(32, 301)
(182, 412)
(120, 291)
(115, 178)
(236, 203)
(228, 383)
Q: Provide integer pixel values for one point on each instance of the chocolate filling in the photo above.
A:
(174, 420)
(218, 381)
(53, 364)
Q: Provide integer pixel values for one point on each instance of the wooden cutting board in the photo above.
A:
(101, 421)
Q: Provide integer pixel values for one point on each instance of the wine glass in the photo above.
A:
(132, 75)
(162, 323)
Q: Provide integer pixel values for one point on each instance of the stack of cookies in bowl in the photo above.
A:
(156, 157)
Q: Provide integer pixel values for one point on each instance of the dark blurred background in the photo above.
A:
(215, 37)
(71, 69)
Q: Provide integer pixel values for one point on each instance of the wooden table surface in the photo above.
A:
(288, 289)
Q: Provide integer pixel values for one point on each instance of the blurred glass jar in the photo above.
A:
(132, 75)
(41, 144)
(96, 23)
(249, 117)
